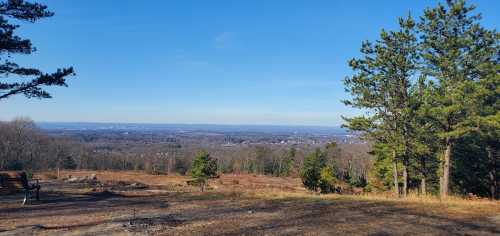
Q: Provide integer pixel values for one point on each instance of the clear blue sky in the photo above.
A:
(225, 62)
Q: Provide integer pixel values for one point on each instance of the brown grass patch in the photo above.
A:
(239, 204)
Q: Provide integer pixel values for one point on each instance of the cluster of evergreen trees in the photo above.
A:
(430, 93)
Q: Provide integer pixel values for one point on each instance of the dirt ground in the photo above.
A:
(233, 205)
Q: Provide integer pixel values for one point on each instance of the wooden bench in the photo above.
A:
(16, 182)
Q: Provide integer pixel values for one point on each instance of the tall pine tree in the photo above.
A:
(454, 48)
(381, 84)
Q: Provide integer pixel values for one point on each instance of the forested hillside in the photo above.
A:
(23, 146)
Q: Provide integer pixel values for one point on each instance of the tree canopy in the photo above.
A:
(425, 87)
(18, 79)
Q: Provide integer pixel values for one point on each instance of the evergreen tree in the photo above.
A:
(10, 44)
(69, 163)
(470, 168)
(310, 172)
(381, 84)
(327, 180)
(424, 145)
(203, 167)
(455, 48)
(484, 116)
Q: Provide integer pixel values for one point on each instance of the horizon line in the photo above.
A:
(175, 123)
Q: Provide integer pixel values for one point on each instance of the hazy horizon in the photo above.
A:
(168, 123)
(238, 128)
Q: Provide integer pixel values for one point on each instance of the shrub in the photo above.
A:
(204, 167)
(69, 163)
(14, 165)
(310, 172)
(327, 180)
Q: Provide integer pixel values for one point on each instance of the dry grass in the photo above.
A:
(238, 204)
(265, 187)
(433, 204)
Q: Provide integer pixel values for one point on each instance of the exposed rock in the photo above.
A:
(73, 180)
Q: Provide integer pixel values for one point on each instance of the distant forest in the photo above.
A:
(23, 146)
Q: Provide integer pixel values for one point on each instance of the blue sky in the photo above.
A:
(225, 62)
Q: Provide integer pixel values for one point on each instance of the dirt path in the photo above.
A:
(64, 211)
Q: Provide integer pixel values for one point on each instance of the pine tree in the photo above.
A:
(203, 167)
(484, 115)
(454, 48)
(423, 146)
(68, 163)
(13, 44)
(381, 84)
(310, 172)
(327, 180)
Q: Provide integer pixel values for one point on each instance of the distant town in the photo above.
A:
(204, 134)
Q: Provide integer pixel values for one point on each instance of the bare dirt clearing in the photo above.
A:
(237, 205)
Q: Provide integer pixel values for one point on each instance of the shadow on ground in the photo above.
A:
(218, 213)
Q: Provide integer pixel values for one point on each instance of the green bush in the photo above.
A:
(310, 172)
(327, 180)
(204, 167)
(69, 163)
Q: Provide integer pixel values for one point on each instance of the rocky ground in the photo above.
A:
(137, 204)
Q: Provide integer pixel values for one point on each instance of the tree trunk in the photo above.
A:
(423, 187)
(395, 173)
(405, 178)
(423, 181)
(446, 169)
(492, 173)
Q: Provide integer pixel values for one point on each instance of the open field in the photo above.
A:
(235, 205)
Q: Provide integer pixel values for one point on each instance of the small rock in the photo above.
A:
(73, 180)
(250, 212)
